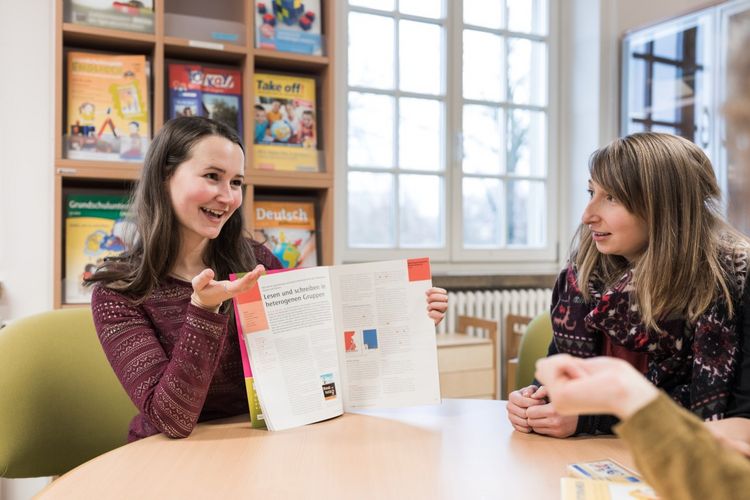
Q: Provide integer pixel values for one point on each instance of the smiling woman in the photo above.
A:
(656, 279)
(206, 190)
(162, 310)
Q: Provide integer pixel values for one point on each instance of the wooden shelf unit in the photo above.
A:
(158, 47)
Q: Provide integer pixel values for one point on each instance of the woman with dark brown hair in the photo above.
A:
(163, 309)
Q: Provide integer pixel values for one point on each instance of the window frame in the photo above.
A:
(452, 256)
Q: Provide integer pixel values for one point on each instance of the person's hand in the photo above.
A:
(544, 418)
(518, 403)
(732, 433)
(209, 294)
(594, 386)
(437, 303)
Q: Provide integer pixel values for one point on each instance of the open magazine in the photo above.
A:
(317, 342)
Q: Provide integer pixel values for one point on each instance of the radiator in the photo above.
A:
(495, 305)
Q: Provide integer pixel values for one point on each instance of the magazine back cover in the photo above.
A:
(133, 15)
(108, 106)
(288, 26)
(285, 123)
(95, 228)
(287, 228)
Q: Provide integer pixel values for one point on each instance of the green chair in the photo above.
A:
(534, 345)
(60, 401)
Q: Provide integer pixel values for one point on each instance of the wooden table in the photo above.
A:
(461, 449)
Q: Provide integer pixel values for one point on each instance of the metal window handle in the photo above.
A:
(704, 129)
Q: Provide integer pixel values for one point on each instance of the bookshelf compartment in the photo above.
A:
(211, 22)
(182, 48)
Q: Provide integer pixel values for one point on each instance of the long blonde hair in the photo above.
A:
(669, 183)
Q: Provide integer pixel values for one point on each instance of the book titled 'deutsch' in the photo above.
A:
(287, 228)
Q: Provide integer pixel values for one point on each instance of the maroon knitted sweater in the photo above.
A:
(179, 363)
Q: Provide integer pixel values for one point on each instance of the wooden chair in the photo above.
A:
(490, 326)
(515, 327)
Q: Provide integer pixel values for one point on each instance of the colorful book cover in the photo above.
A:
(185, 83)
(285, 123)
(244, 309)
(95, 228)
(108, 106)
(606, 470)
(288, 26)
(573, 488)
(133, 15)
(215, 92)
(287, 228)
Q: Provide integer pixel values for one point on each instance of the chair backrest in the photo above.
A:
(515, 327)
(534, 345)
(490, 326)
(60, 401)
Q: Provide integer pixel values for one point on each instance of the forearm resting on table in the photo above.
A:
(679, 456)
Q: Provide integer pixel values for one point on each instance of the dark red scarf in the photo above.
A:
(694, 363)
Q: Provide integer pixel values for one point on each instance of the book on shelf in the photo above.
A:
(202, 90)
(320, 341)
(286, 135)
(133, 15)
(96, 227)
(287, 228)
(574, 488)
(108, 106)
(288, 26)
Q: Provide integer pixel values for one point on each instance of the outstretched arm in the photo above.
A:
(677, 455)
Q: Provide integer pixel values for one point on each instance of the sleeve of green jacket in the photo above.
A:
(679, 456)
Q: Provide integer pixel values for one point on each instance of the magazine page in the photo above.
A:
(289, 318)
(386, 341)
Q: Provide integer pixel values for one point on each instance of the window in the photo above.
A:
(447, 115)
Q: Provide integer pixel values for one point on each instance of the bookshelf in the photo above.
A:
(73, 175)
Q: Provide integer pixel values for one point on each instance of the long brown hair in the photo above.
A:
(669, 183)
(154, 247)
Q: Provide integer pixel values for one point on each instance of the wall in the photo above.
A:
(634, 14)
(26, 174)
(591, 31)
(26, 154)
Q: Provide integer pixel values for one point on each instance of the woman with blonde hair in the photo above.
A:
(656, 279)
